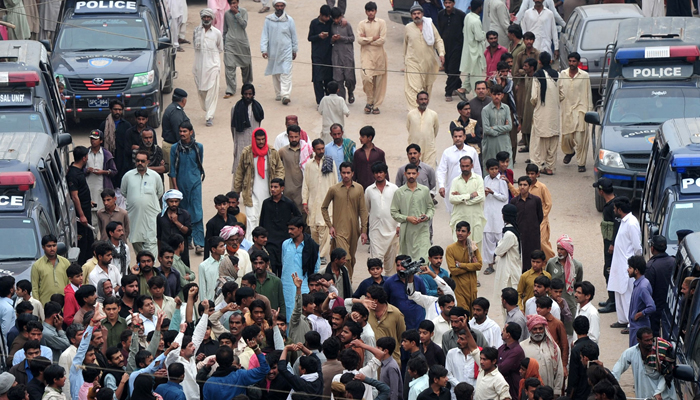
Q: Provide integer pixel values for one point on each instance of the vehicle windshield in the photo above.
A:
(103, 34)
(11, 122)
(684, 215)
(632, 106)
(18, 240)
(598, 34)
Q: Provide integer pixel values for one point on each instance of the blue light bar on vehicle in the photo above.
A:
(624, 56)
(685, 161)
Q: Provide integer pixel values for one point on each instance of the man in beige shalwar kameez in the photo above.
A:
(319, 175)
(421, 41)
(371, 35)
(423, 126)
(576, 86)
(208, 44)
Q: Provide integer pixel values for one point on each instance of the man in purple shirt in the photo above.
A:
(365, 156)
(510, 354)
(642, 303)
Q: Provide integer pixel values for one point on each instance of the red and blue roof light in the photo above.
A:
(625, 56)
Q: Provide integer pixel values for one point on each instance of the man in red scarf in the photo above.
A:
(564, 267)
(260, 164)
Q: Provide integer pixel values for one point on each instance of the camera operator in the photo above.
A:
(398, 287)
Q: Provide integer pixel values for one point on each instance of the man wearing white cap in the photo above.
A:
(7, 380)
(208, 43)
(142, 189)
(279, 45)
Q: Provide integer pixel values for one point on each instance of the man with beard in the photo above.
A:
(187, 174)
(147, 143)
(116, 141)
(450, 23)
(115, 377)
(275, 214)
(208, 43)
(279, 45)
(338, 316)
(383, 229)
(542, 348)
(641, 302)
(421, 41)
(449, 167)
(628, 243)
(144, 270)
(459, 320)
(320, 174)
(294, 158)
(659, 272)
(464, 261)
(99, 169)
(426, 173)
(221, 219)
(246, 116)
(130, 284)
(82, 202)
(468, 124)
(459, 360)
(86, 297)
(133, 135)
(143, 189)
(423, 126)
(174, 220)
(321, 51)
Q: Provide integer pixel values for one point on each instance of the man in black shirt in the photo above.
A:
(116, 139)
(173, 116)
(578, 387)
(175, 220)
(450, 22)
(130, 287)
(321, 51)
(277, 210)
(608, 227)
(218, 221)
(80, 194)
(133, 136)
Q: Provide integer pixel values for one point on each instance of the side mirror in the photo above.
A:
(684, 372)
(47, 45)
(592, 117)
(61, 249)
(64, 139)
(164, 43)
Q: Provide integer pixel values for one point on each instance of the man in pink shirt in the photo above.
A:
(493, 53)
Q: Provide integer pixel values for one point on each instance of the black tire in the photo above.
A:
(599, 200)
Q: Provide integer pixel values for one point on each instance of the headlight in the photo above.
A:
(61, 80)
(610, 159)
(143, 79)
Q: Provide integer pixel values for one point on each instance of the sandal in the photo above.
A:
(581, 168)
(368, 108)
(547, 171)
(351, 98)
(524, 150)
(375, 111)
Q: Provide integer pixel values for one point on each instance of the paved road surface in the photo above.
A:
(573, 212)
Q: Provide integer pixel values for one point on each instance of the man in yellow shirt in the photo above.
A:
(49, 272)
(526, 286)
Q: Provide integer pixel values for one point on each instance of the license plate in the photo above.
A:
(98, 103)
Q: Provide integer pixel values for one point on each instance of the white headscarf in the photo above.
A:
(170, 194)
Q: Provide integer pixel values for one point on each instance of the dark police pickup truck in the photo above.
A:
(654, 76)
(114, 49)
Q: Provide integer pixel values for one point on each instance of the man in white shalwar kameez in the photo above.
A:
(383, 229)
(496, 191)
(628, 243)
(545, 97)
(177, 12)
(541, 22)
(208, 43)
(421, 41)
(279, 45)
(448, 169)
(653, 8)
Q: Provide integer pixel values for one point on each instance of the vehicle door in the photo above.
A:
(690, 355)
(657, 218)
(567, 42)
(648, 195)
(164, 31)
(161, 56)
(58, 110)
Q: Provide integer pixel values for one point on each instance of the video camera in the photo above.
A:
(412, 267)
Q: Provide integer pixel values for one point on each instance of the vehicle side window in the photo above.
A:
(663, 210)
(653, 176)
(47, 176)
(44, 225)
(163, 19)
(153, 28)
(572, 25)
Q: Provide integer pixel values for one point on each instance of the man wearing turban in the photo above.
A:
(541, 347)
(564, 267)
(208, 43)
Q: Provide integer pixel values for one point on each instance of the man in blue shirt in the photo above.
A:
(374, 265)
(642, 303)
(228, 381)
(435, 255)
(341, 149)
(396, 287)
(7, 312)
(172, 390)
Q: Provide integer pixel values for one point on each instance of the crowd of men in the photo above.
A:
(273, 311)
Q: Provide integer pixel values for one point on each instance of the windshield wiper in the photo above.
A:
(133, 48)
(16, 259)
(85, 50)
(642, 123)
